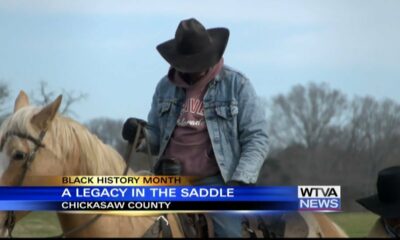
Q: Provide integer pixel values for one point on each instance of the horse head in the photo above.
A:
(24, 151)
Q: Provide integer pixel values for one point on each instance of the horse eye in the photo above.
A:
(19, 155)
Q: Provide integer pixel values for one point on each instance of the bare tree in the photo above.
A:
(4, 94)
(109, 131)
(69, 98)
(375, 131)
(304, 115)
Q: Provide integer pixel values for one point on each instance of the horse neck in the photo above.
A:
(88, 155)
(85, 153)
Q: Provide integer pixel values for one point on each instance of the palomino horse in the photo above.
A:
(70, 149)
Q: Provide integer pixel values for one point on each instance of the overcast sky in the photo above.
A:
(107, 48)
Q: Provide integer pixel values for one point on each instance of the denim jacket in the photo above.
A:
(235, 120)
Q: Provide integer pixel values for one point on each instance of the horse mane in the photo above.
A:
(65, 136)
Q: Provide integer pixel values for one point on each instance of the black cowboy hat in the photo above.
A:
(194, 49)
(386, 202)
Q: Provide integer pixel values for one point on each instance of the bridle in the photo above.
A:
(38, 142)
(11, 219)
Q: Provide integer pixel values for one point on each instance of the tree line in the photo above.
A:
(321, 136)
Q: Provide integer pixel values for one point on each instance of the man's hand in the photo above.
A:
(130, 127)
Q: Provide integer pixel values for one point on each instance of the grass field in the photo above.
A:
(42, 224)
(355, 224)
(38, 224)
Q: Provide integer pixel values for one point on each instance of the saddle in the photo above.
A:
(201, 226)
(258, 226)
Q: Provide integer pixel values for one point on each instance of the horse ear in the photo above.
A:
(21, 101)
(43, 118)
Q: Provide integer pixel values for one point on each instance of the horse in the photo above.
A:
(62, 147)
(70, 149)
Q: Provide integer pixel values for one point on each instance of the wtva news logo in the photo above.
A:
(319, 198)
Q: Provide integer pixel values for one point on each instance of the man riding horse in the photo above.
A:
(386, 204)
(205, 117)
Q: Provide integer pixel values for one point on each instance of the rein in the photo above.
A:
(11, 218)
